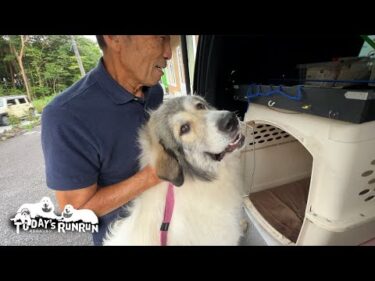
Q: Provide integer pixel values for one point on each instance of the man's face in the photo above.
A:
(144, 57)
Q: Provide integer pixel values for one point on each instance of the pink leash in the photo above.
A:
(168, 211)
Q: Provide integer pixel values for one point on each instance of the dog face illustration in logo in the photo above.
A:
(48, 209)
(46, 205)
(44, 209)
(70, 214)
(23, 216)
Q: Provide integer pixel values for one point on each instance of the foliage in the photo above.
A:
(49, 62)
(14, 120)
(39, 104)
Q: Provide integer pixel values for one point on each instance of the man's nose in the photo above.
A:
(168, 53)
(167, 50)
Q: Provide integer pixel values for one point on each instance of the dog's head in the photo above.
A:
(186, 137)
(25, 212)
(68, 211)
(47, 205)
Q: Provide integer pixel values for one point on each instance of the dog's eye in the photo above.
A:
(184, 129)
(200, 106)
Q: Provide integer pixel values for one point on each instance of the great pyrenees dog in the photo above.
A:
(196, 148)
(23, 216)
(70, 214)
(44, 209)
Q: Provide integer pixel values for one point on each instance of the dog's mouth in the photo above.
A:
(67, 215)
(236, 143)
(46, 209)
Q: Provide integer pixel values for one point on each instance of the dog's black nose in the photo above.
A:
(228, 123)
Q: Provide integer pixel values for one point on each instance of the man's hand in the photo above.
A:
(151, 176)
(104, 200)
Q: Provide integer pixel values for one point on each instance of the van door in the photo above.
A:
(214, 70)
(204, 62)
(23, 106)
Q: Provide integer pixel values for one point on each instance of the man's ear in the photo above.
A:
(112, 41)
(167, 166)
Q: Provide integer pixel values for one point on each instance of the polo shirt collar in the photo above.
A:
(112, 88)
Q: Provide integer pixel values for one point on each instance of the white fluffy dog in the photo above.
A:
(23, 216)
(70, 214)
(195, 147)
(44, 209)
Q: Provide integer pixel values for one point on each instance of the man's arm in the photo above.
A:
(104, 200)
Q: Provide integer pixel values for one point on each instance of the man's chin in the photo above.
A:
(151, 83)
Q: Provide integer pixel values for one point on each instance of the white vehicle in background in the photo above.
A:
(17, 106)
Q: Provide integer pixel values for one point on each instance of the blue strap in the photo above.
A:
(279, 90)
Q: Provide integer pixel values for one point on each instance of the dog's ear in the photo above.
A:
(167, 166)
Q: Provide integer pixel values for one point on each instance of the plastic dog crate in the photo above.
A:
(310, 180)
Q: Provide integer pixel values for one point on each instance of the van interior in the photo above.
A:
(225, 61)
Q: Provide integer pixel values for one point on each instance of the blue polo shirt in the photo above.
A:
(89, 135)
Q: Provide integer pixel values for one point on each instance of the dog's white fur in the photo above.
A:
(22, 216)
(84, 215)
(36, 209)
(205, 212)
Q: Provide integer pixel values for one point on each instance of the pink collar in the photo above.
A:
(168, 211)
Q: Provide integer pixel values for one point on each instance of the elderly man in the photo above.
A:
(89, 132)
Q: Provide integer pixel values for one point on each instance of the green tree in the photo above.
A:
(48, 61)
(17, 47)
(90, 52)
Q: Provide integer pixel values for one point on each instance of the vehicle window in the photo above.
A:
(11, 102)
(22, 100)
(1, 103)
(367, 49)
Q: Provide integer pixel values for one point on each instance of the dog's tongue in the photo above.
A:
(236, 143)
